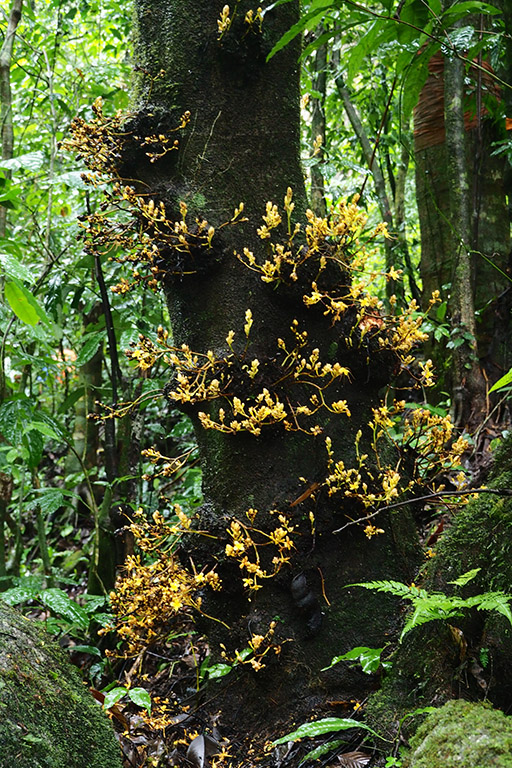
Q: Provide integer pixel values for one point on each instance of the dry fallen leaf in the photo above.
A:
(353, 760)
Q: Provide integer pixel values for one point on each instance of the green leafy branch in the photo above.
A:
(432, 606)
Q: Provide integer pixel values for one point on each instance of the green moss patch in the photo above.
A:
(48, 719)
(462, 735)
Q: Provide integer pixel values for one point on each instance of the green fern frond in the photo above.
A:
(393, 588)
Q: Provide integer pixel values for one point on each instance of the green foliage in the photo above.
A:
(69, 617)
(414, 35)
(327, 725)
(503, 382)
(438, 606)
(139, 696)
(368, 658)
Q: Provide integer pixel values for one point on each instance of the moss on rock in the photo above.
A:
(47, 717)
(462, 735)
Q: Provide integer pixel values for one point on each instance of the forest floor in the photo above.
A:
(185, 726)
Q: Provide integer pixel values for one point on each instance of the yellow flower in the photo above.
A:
(248, 322)
(371, 530)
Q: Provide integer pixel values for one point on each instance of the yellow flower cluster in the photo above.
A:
(340, 238)
(372, 530)
(268, 409)
(149, 596)
(168, 466)
(405, 332)
(129, 226)
(259, 646)
(247, 543)
(203, 377)
(224, 22)
(425, 436)
(253, 20)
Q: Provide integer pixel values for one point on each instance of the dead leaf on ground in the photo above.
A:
(352, 760)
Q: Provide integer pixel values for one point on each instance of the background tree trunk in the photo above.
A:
(474, 218)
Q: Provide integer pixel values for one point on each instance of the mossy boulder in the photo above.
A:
(48, 719)
(462, 735)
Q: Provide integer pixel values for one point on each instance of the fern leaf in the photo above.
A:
(393, 587)
(425, 613)
(465, 577)
(494, 601)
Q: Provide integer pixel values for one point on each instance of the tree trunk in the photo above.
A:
(242, 145)
(464, 251)
(318, 203)
(6, 96)
(469, 385)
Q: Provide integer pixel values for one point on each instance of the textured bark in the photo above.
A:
(469, 385)
(242, 144)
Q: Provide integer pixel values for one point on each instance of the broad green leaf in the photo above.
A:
(369, 658)
(113, 696)
(32, 446)
(91, 649)
(71, 179)
(89, 347)
(460, 10)
(316, 12)
(323, 749)
(25, 305)
(54, 425)
(18, 595)
(71, 399)
(460, 39)
(413, 81)
(95, 602)
(379, 31)
(50, 499)
(219, 670)
(326, 725)
(414, 16)
(14, 414)
(57, 601)
(44, 429)
(30, 161)
(503, 382)
(420, 711)
(140, 697)
(23, 308)
(15, 269)
(436, 8)
(103, 619)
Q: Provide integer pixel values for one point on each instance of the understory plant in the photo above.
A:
(437, 606)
